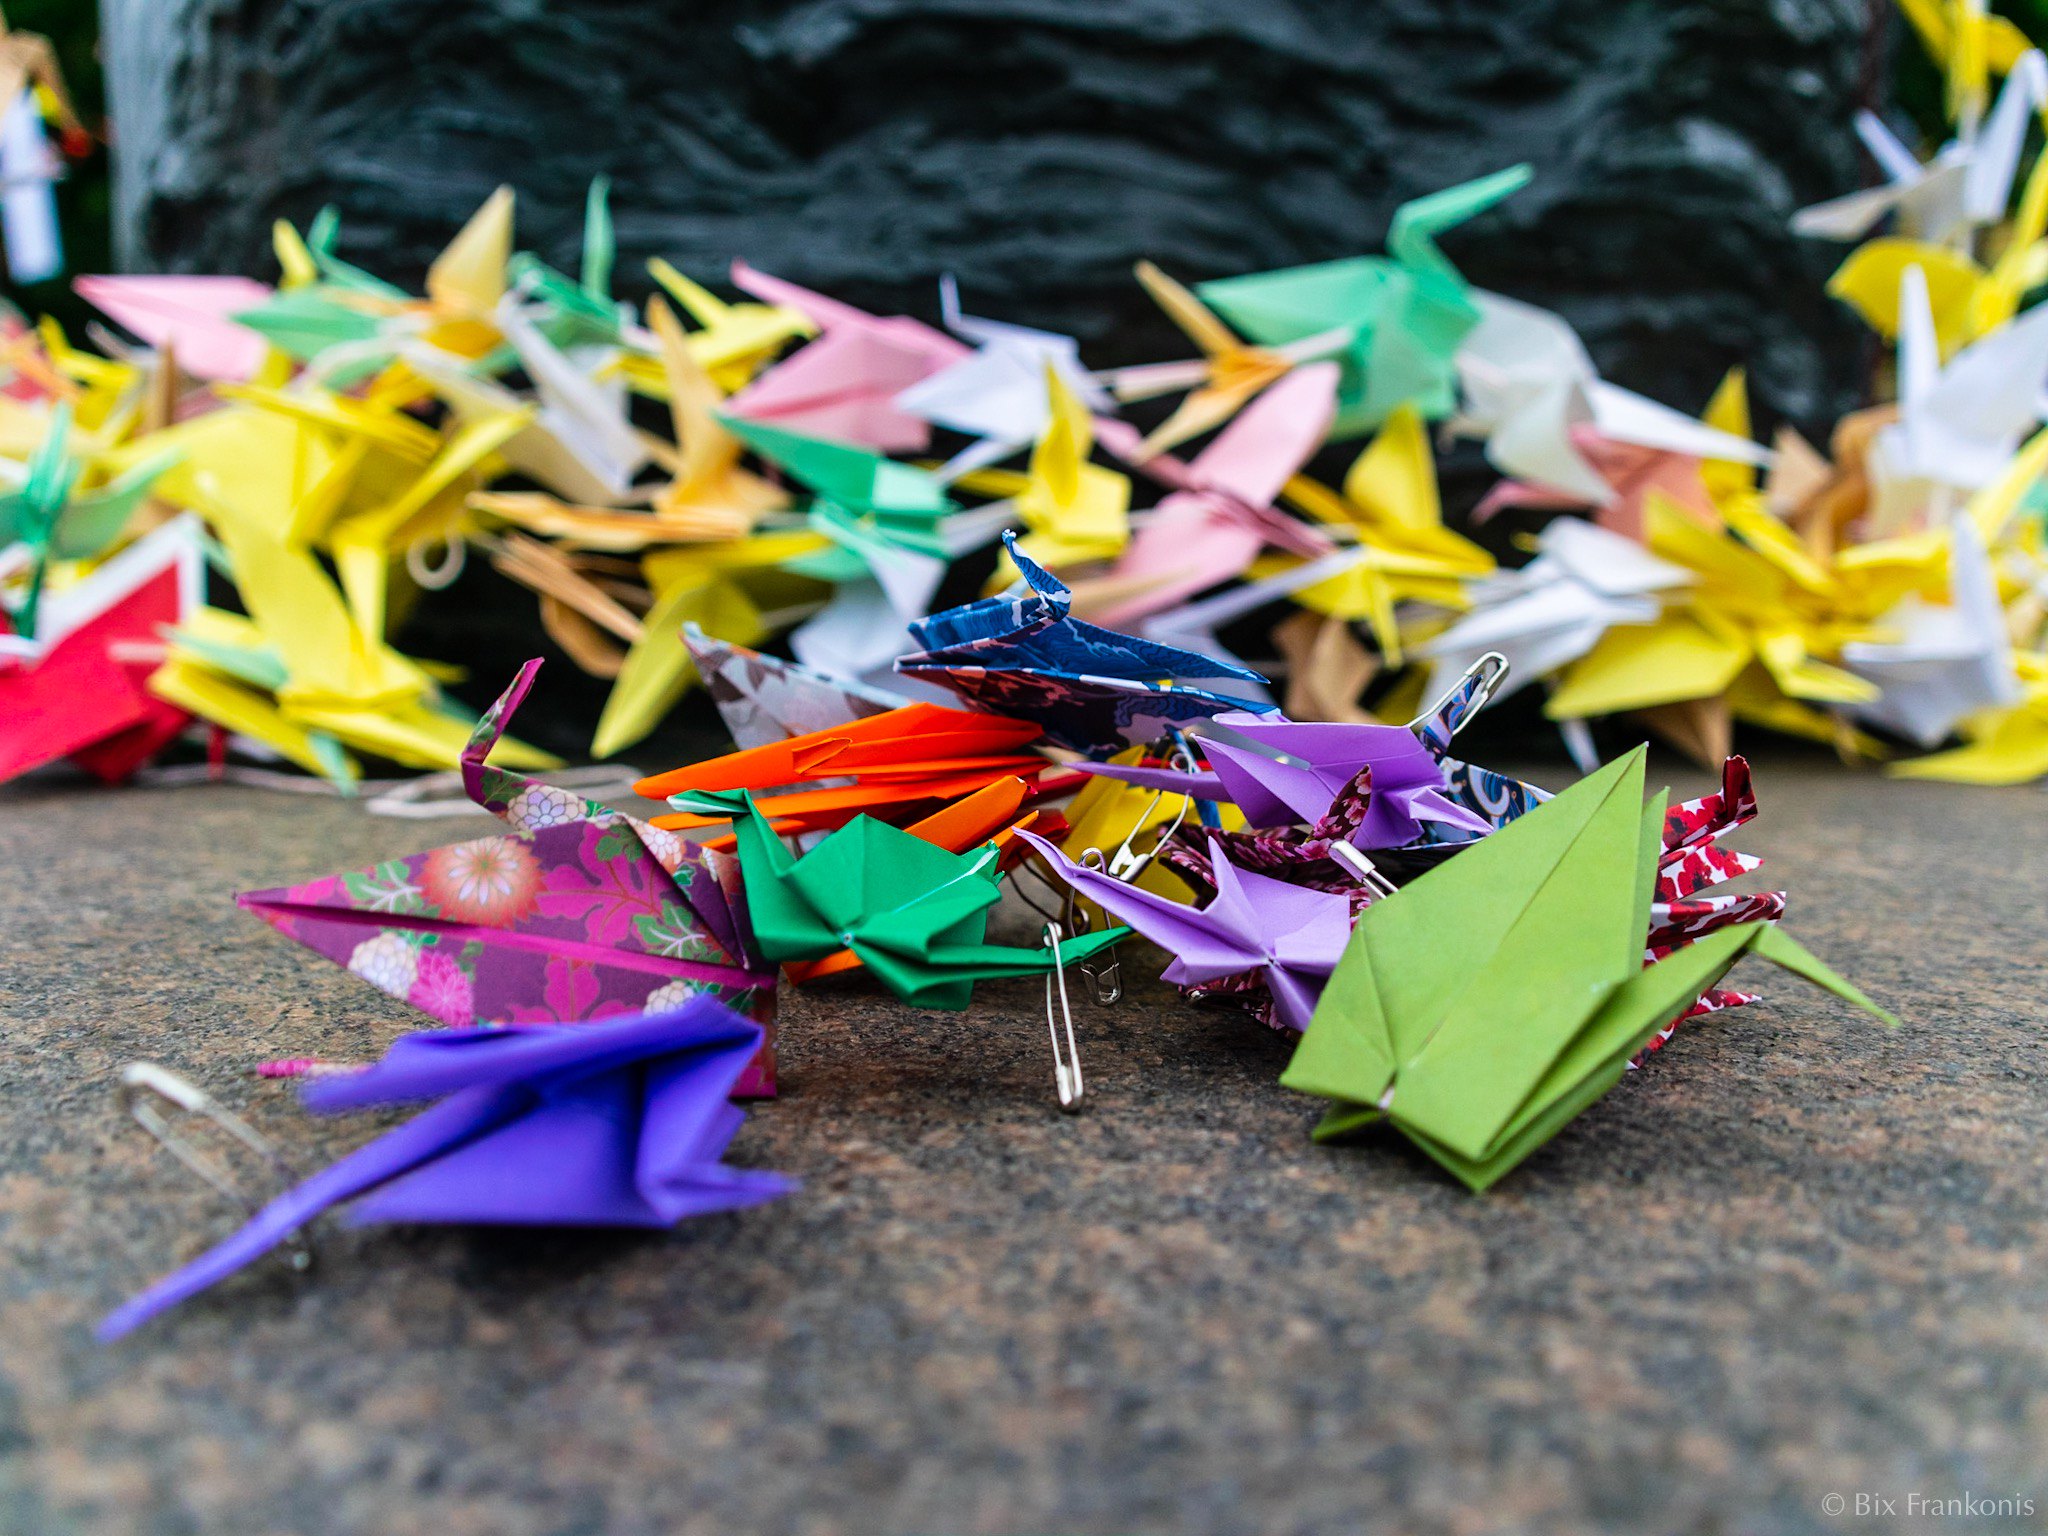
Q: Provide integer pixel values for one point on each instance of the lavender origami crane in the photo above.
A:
(579, 912)
(621, 1124)
(1283, 773)
(1094, 690)
(1291, 773)
(1257, 933)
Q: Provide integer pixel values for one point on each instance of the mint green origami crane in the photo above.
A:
(46, 514)
(913, 912)
(1483, 1006)
(1406, 316)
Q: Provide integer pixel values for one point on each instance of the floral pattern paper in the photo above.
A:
(576, 913)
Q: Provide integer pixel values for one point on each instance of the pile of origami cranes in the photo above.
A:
(330, 450)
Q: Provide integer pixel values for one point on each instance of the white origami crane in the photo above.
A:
(1958, 425)
(1528, 381)
(997, 395)
(1553, 610)
(1966, 184)
(1949, 662)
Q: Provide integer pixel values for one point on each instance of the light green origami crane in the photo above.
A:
(1486, 1004)
(913, 912)
(46, 513)
(860, 495)
(1406, 316)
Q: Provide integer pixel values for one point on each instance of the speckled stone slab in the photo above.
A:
(1796, 1256)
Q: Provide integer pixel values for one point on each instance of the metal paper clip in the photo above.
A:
(1126, 864)
(1066, 1070)
(1367, 872)
(1491, 670)
(144, 1083)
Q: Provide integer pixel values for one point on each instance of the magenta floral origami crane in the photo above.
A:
(577, 913)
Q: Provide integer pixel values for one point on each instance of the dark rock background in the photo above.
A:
(1038, 147)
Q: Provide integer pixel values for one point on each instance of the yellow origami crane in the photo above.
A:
(721, 589)
(1229, 374)
(1391, 506)
(735, 341)
(1075, 511)
(303, 675)
(1970, 44)
(1755, 630)
(709, 496)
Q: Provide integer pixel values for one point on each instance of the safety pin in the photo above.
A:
(1066, 1070)
(143, 1083)
(1105, 983)
(1367, 872)
(1491, 670)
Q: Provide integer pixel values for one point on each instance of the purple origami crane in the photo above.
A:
(1408, 784)
(577, 912)
(620, 1124)
(1257, 934)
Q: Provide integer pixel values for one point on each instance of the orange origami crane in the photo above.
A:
(898, 761)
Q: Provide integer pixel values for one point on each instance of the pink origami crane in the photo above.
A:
(192, 316)
(844, 384)
(1220, 513)
(1633, 472)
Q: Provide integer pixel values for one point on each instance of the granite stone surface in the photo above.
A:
(1795, 1256)
(1036, 148)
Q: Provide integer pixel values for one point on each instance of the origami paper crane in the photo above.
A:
(1076, 511)
(763, 699)
(1403, 551)
(1089, 688)
(622, 1124)
(709, 495)
(579, 912)
(1288, 936)
(304, 676)
(1583, 582)
(1948, 662)
(1528, 382)
(1484, 1006)
(1968, 181)
(915, 914)
(893, 530)
(190, 317)
(734, 341)
(997, 395)
(723, 586)
(1405, 317)
(78, 689)
(899, 760)
(1692, 861)
(47, 513)
(845, 384)
(1286, 773)
(1219, 513)
(1959, 424)
(1227, 377)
